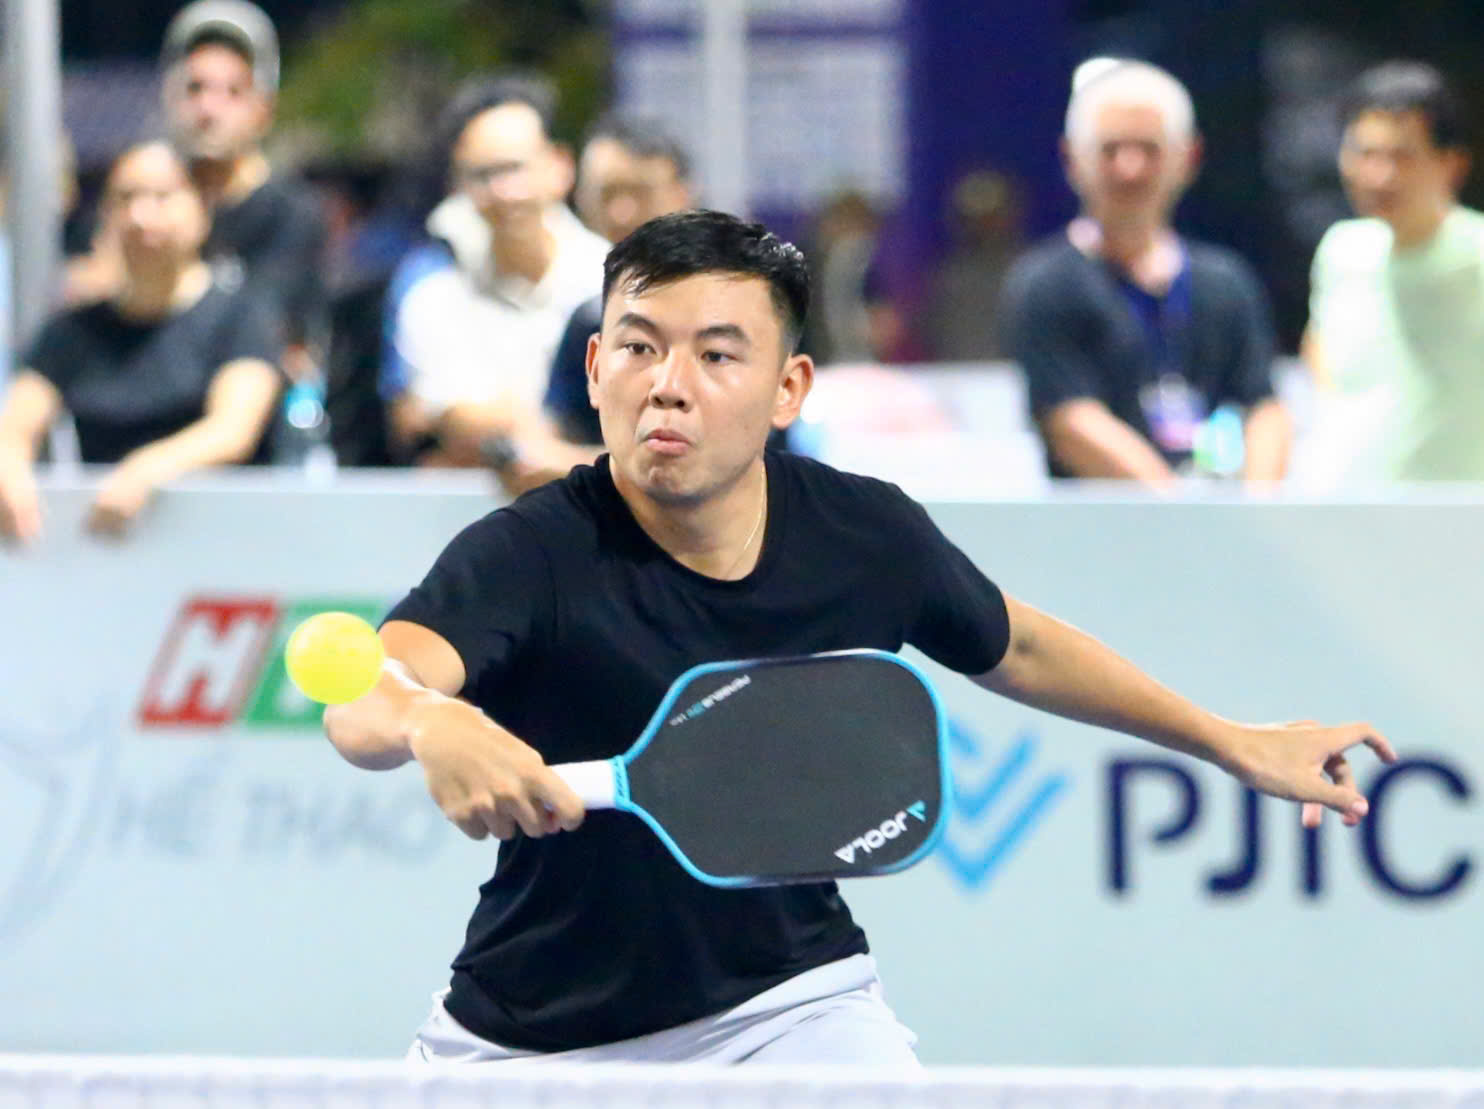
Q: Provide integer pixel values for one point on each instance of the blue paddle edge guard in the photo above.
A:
(624, 803)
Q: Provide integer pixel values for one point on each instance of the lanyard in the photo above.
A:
(1164, 320)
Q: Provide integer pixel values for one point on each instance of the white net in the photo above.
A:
(79, 1082)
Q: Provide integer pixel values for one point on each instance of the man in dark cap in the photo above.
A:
(220, 62)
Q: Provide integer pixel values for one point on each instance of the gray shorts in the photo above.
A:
(831, 1014)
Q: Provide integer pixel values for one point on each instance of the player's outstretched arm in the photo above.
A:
(1051, 665)
(485, 779)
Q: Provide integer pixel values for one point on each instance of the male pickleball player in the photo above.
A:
(548, 631)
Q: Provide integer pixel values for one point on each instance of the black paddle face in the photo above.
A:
(793, 770)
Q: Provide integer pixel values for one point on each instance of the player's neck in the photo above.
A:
(151, 293)
(228, 181)
(721, 537)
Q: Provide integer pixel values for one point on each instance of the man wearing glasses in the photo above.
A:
(474, 321)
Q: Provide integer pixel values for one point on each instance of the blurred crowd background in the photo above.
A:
(912, 147)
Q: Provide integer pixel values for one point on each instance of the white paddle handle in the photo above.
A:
(592, 781)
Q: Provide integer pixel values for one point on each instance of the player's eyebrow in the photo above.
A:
(634, 319)
(714, 331)
(724, 331)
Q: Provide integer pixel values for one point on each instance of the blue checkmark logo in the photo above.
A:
(999, 798)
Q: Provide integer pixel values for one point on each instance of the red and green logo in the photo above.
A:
(222, 663)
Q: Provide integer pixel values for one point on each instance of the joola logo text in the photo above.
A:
(875, 838)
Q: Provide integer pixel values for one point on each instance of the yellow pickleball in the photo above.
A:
(334, 657)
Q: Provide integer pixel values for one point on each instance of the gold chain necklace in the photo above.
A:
(762, 509)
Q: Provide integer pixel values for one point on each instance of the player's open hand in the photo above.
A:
(486, 781)
(1306, 762)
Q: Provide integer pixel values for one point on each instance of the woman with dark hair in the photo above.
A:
(174, 372)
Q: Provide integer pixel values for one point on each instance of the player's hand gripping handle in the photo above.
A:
(596, 782)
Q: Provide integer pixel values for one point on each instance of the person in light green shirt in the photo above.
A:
(1396, 322)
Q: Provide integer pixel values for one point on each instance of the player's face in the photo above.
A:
(618, 190)
(155, 210)
(1392, 170)
(1129, 168)
(506, 165)
(688, 379)
(215, 108)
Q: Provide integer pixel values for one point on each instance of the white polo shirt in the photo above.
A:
(464, 333)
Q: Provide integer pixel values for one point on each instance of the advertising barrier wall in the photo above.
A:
(188, 866)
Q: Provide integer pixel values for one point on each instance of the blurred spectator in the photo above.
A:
(629, 173)
(854, 320)
(220, 62)
(1144, 351)
(474, 320)
(984, 211)
(1396, 325)
(172, 373)
(371, 229)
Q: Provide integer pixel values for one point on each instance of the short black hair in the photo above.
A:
(684, 244)
(641, 137)
(1405, 86)
(481, 94)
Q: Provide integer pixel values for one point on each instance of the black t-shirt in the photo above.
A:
(571, 624)
(128, 383)
(273, 241)
(1079, 328)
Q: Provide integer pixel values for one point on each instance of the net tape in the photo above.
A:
(98, 1082)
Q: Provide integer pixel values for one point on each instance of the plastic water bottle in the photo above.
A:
(1220, 449)
(304, 431)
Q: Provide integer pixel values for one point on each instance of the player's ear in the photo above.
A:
(794, 384)
(593, 342)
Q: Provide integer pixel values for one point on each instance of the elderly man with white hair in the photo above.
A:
(1148, 355)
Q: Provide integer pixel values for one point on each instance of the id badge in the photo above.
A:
(1173, 412)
